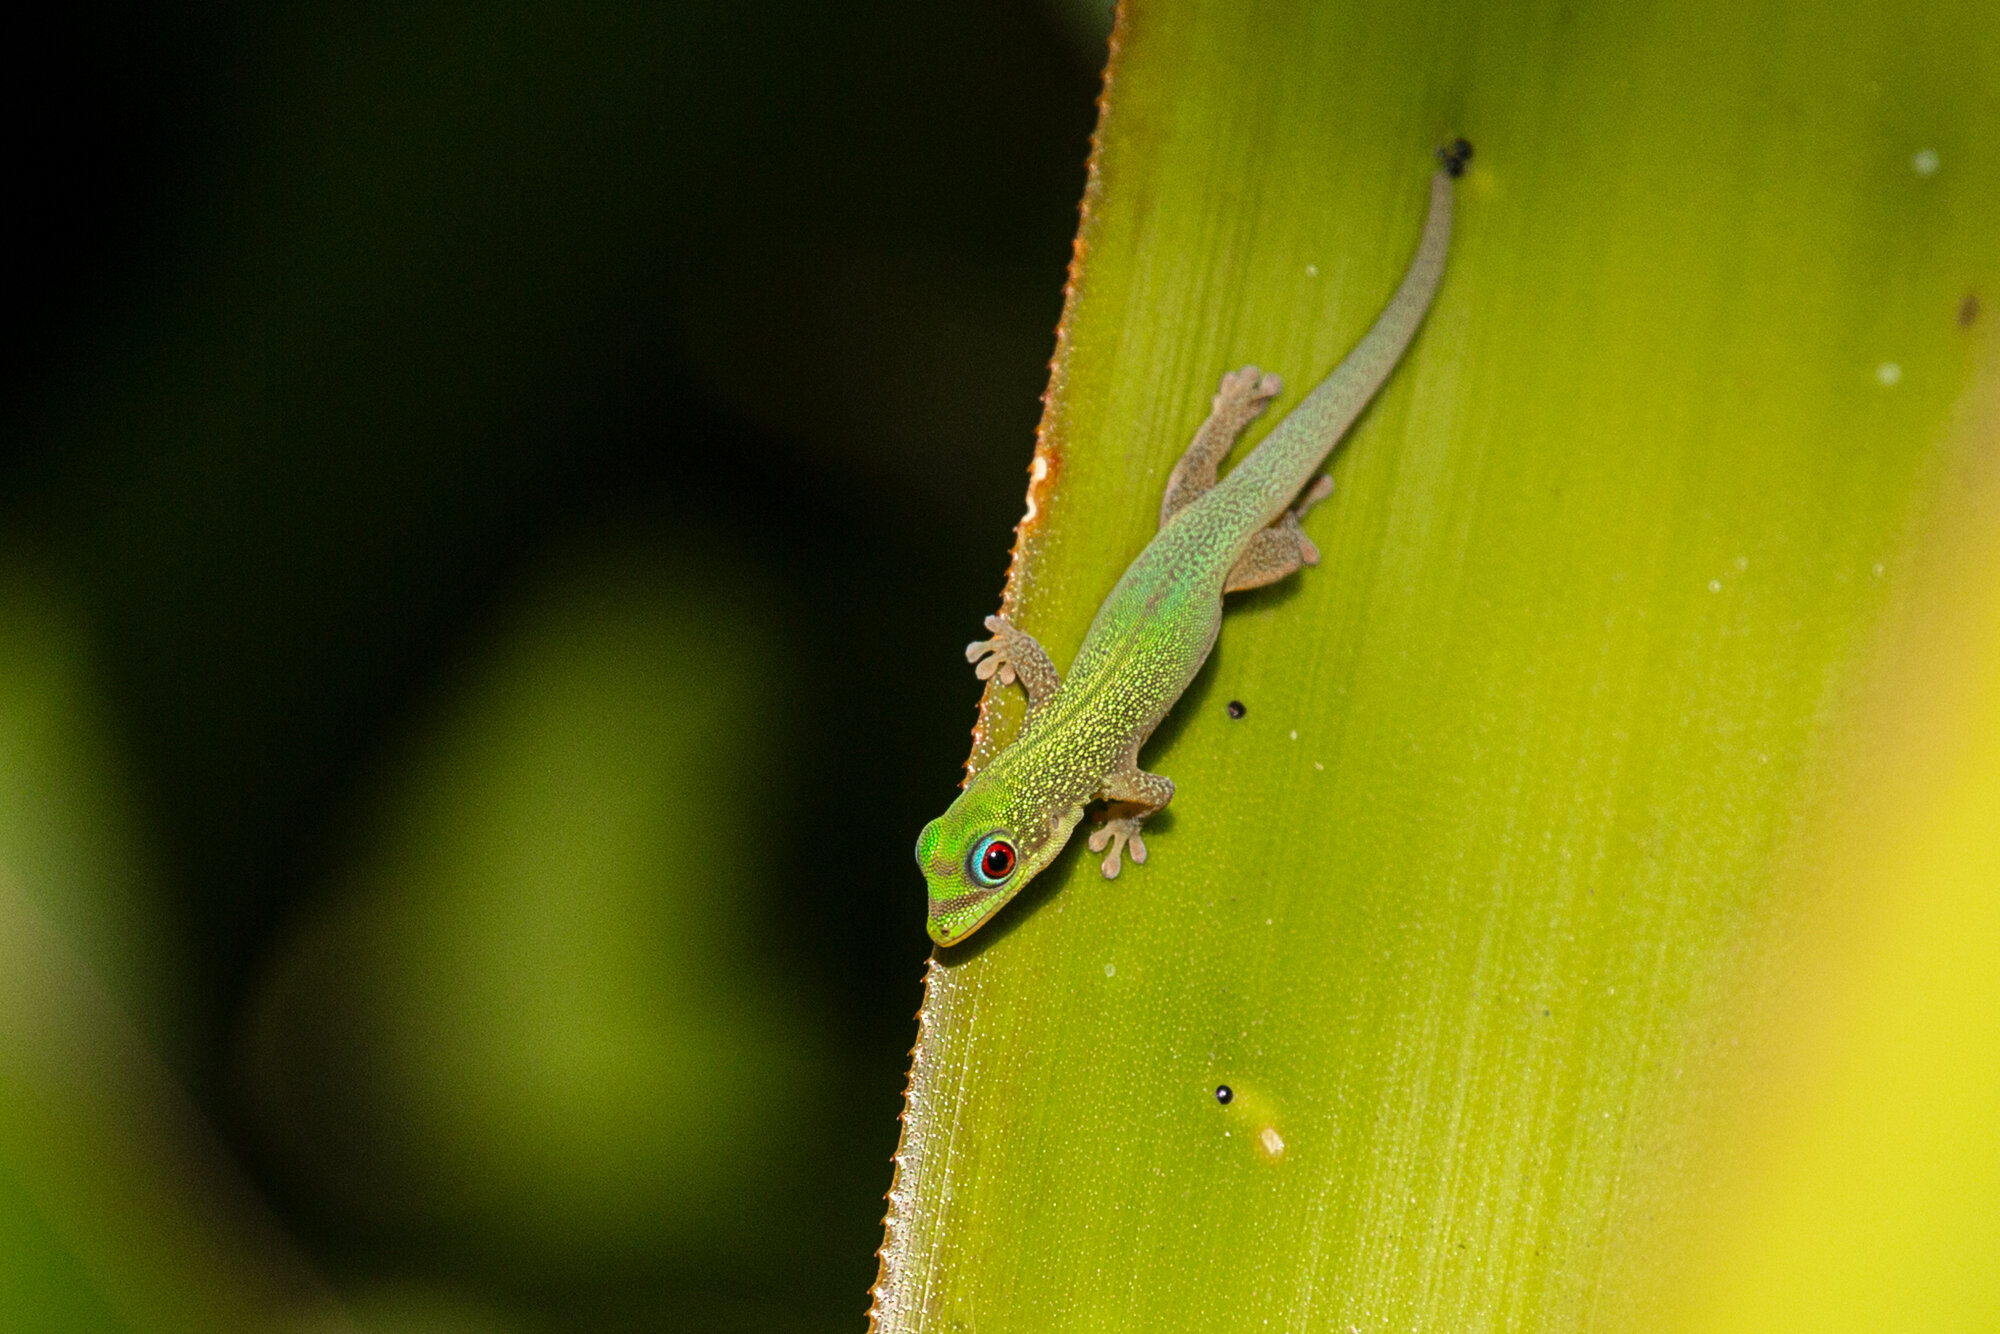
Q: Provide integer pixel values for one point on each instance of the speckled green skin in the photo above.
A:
(1153, 633)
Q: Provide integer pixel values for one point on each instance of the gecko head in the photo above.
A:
(979, 854)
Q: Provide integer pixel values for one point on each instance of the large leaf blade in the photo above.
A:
(1447, 908)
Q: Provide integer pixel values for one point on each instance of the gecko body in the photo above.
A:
(1081, 738)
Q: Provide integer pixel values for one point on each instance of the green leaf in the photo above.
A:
(1463, 908)
(1850, 1174)
(118, 1211)
(515, 1006)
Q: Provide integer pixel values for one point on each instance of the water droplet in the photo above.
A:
(1924, 162)
(1888, 373)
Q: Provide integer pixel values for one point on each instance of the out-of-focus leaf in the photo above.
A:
(531, 1023)
(118, 1211)
(68, 835)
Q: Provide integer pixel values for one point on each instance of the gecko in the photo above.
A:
(1080, 740)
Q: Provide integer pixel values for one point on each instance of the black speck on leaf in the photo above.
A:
(1968, 310)
(1223, 1094)
(1236, 709)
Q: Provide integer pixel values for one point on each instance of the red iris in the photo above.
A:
(997, 862)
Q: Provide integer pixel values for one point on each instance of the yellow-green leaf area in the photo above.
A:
(1448, 908)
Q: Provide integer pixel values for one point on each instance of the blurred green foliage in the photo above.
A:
(498, 492)
(540, 1020)
(43, 1285)
(70, 840)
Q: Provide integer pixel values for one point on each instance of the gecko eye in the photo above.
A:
(992, 861)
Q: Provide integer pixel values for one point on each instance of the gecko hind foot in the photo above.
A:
(1321, 488)
(989, 657)
(1243, 393)
(1118, 833)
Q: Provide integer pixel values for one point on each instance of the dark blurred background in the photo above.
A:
(494, 495)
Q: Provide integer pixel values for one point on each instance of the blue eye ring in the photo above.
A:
(992, 860)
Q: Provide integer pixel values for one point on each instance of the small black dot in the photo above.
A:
(1223, 1093)
(1236, 709)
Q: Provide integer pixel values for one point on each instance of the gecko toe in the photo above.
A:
(1121, 836)
(1243, 386)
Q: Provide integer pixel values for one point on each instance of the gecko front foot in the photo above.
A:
(1013, 655)
(989, 656)
(1118, 833)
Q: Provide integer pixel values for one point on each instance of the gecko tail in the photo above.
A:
(1308, 434)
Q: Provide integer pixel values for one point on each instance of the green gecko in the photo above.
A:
(1081, 738)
